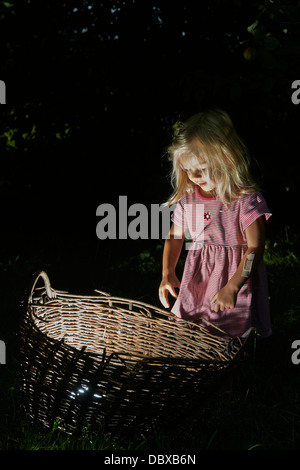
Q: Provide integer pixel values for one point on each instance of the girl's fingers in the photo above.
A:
(171, 290)
(163, 294)
(217, 305)
(164, 302)
(163, 297)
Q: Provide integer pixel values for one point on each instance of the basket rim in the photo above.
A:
(54, 295)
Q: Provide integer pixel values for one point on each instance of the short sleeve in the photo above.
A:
(253, 206)
(178, 216)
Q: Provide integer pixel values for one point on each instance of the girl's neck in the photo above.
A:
(210, 195)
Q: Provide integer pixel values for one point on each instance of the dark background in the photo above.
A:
(93, 90)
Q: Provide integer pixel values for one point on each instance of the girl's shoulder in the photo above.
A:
(189, 197)
(248, 201)
(252, 206)
(251, 197)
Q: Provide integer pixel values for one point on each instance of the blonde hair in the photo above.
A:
(211, 137)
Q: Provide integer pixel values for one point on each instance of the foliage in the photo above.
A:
(89, 71)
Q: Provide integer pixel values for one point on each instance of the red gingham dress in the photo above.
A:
(218, 243)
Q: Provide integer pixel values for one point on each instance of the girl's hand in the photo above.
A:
(168, 284)
(225, 298)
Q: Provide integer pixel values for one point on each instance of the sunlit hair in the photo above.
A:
(211, 137)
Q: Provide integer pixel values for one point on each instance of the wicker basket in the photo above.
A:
(114, 363)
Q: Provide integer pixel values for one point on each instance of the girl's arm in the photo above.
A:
(171, 253)
(255, 234)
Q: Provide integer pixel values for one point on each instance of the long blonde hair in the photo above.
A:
(211, 137)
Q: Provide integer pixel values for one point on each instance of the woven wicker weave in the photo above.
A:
(118, 363)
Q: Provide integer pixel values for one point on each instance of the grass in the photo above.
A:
(262, 410)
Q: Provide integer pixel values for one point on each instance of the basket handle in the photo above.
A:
(36, 276)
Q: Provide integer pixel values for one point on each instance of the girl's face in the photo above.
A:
(198, 173)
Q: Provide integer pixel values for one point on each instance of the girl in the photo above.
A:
(218, 205)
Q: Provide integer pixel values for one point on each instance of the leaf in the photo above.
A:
(271, 43)
(252, 27)
(255, 446)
